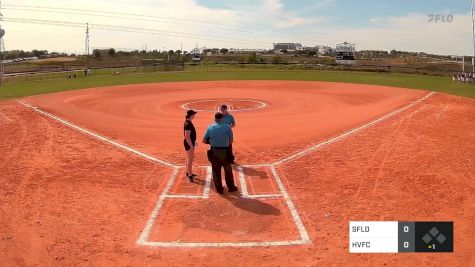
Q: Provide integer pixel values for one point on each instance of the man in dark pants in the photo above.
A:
(219, 135)
(229, 120)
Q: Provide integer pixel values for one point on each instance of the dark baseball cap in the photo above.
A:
(218, 116)
(190, 112)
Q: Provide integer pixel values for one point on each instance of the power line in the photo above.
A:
(102, 12)
(135, 30)
(150, 18)
(206, 25)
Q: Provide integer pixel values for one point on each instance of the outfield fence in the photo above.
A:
(214, 67)
(79, 72)
(13, 78)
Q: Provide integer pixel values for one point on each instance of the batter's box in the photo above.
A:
(257, 182)
(229, 219)
(199, 188)
(235, 219)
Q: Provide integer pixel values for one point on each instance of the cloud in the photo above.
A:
(257, 23)
(274, 12)
(414, 32)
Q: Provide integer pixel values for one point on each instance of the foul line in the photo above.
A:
(7, 119)
(347, 134)
(100, 137)
(292, 157)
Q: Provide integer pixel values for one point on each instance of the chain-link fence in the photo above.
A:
(221, 67)
(75, 72)
(12, 78)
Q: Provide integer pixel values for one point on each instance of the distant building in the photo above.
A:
(345, 54)
(289, 47)
(245, 50)
(325, 50)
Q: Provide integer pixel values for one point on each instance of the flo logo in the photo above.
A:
(440, 18)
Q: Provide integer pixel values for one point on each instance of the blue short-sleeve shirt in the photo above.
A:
(229, 119)
(219, 134)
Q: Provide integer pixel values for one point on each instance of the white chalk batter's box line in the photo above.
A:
(272, 166)
(207, 189)
(145, 235)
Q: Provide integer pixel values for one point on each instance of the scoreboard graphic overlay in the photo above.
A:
(395, 237)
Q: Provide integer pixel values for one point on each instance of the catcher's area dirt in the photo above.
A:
(69, 199)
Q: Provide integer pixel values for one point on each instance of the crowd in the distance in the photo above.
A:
(464, 77)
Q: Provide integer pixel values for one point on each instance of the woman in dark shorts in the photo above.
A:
(189, 143)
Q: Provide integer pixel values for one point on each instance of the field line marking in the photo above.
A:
(265, 196)
(209, 173)
(186, 196)
(223, 244)
(7, 119)
(100, 137)
(262, 105)
(293, 211)
(256, 165)
(348, 133)
(293, 156)
(242, 181)
(298, 222)
(153, 216)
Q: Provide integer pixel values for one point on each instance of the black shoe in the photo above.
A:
(220, 191)
(233, 189)
(190, 178)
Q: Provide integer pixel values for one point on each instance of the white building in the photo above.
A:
(290, 47)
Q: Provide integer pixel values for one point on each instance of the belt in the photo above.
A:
(215, 147)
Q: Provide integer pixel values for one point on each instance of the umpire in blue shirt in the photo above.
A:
(229, 120)
(220, 136)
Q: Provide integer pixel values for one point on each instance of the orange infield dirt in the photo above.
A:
(71, 199)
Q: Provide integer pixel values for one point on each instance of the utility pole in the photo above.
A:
(87, 51)
(473, 38)
(2, 46)
(463, 63)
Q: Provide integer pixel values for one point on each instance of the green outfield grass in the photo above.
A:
(434, 83)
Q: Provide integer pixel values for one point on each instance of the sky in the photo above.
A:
(164, 25)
